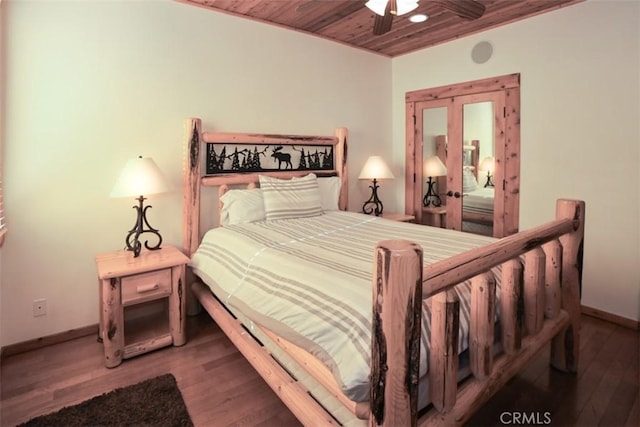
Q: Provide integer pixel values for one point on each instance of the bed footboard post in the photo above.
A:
(511, 317)
(443, 356)
(191, 167)
(565, 346)
(395, 335)
(552, 295)
(481, 331)
(534, 290)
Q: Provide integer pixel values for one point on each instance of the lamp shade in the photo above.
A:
(376, 168)
(433, 166)
(488, 164)
(401, 6)
(140, 177)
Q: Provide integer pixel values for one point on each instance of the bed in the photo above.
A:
(477, 204)
(411, 303)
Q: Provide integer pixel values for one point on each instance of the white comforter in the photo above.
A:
(309, 280)
(479, 201)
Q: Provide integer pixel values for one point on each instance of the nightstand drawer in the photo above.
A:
(146, 286)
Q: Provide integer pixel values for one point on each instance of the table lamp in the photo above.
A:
(433, 167)
(488, 164)
(140, 177)
(375, 169)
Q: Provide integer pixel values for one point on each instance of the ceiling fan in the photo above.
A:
(385, 10)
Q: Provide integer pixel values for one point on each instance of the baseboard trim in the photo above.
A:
(21, 347)
(71, 334)
(610, 317)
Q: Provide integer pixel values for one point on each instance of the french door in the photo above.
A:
(476, 136)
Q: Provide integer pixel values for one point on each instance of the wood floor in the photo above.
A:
(220, 388)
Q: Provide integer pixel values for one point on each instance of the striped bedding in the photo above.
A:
(309, 280)
(479, 201)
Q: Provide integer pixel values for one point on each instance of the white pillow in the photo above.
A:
(241, 206)
(469, 182)
(330, 193)
(291, 198)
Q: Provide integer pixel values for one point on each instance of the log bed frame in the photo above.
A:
(541, 269)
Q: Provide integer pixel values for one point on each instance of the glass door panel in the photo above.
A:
(478, 167)
(434, 149)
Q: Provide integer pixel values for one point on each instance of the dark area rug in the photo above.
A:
(154, 402)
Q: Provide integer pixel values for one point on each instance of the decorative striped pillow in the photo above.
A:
(285, 198)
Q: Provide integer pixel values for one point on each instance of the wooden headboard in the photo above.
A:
(273, 147)
(472, 146)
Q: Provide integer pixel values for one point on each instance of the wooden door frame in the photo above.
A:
(510, 152)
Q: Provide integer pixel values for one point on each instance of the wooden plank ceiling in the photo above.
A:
(350, 22)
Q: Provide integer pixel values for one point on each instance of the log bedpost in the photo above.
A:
(565, 346)
(443, 356)
(481, 331)
(191, 167)
(510, 313)
(395, 334)
(341, 167)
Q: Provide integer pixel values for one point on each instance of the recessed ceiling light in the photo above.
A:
(419, 17)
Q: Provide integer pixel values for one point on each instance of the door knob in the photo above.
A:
(449, 193)
(456, 195)
(452, 194)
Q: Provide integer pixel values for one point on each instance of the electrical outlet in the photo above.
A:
(39, 307)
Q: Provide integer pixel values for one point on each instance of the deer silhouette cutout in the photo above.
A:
(281, 157)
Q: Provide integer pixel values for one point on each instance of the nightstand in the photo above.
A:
(142, 302)
(394, 216)
(435, 216)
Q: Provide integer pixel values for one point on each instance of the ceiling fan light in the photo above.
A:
(377, 6)
(405, 6)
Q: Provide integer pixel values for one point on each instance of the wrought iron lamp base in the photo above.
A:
(373, 205)
(133, 237)
(489, 182)
(431, 198)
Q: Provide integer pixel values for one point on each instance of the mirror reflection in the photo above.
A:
(478, 168)
(434, 130)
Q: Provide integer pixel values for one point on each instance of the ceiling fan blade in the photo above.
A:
(464, 9)
(382, 24)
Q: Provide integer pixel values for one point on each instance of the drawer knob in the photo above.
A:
(147, 288)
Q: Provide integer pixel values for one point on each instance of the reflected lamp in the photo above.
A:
(488, 164)
(140, 177)
(433, 167)
(374, 169)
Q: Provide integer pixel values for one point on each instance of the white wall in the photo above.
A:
(91, 84)
(580, 78)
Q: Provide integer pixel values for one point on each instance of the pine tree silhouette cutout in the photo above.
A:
(253, 161)
(235, 161)
(316, 160)
(327, 159)
(245, 161)
(303, 160)
(212, 159)
(221, 158)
